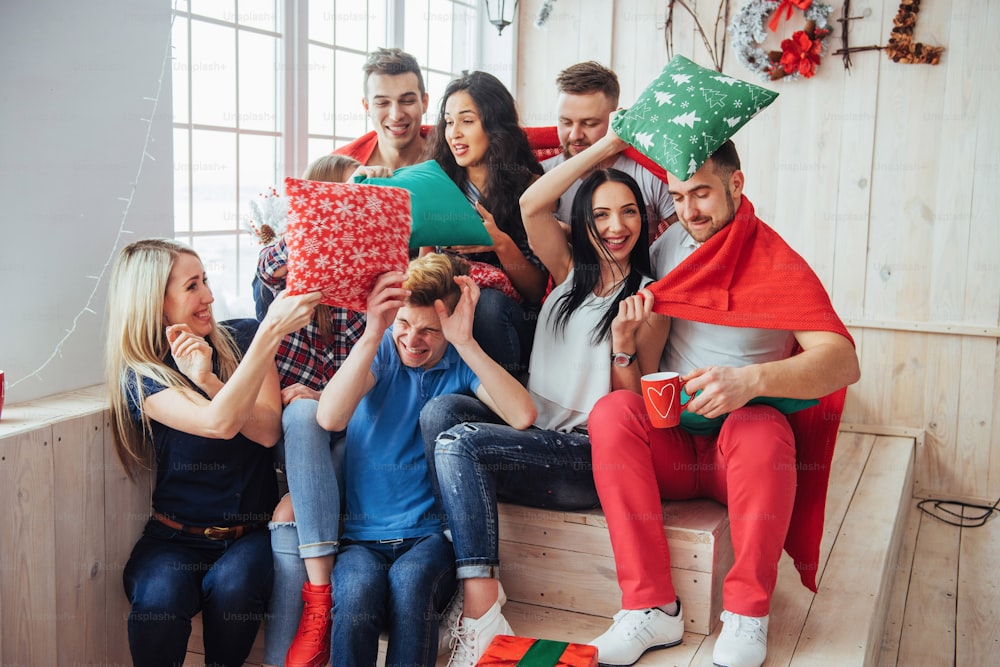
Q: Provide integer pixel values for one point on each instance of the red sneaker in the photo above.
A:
(311, 646)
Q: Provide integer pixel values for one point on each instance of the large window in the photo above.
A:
(261, 87)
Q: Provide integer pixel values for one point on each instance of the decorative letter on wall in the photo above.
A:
(901, 47)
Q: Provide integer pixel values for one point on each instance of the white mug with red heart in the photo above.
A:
(661, 392)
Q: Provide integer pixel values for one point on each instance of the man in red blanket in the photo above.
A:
(755, 339)
(395, 100)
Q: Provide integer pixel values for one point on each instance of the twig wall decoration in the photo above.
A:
(846, 49)
(716, 47)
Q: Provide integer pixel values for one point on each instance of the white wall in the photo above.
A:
(73, 95)
(883, 177)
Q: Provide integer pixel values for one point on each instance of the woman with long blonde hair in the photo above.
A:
(198, 403)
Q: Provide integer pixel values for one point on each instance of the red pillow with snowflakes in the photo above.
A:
(488, 276)
(342, 236)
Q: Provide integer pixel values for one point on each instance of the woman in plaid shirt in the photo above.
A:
(306, 361)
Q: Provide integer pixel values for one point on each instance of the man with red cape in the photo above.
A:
(757, 342)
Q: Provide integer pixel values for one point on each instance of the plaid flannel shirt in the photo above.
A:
(302, 356)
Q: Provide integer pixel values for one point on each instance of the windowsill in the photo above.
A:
(29, 415)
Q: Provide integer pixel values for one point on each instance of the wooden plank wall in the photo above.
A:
(884, 178)
(69, 522)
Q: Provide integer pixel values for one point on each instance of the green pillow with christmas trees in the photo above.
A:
(686, 113)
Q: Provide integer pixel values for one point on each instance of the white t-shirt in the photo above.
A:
(697, 344)
(659, 203)
(567, 372)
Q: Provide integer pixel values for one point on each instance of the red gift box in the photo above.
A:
(507, 651)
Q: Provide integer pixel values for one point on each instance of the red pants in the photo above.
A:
(749, 466)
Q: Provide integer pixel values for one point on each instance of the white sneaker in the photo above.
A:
(472, 635)
(452, 614)
(636, 631)
(742, 642)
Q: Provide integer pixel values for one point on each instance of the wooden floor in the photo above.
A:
(941, 593)
(944, 611)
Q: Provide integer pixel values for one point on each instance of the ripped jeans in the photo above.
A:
(479, 463)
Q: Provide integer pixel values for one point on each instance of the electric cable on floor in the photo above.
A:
(944, 507)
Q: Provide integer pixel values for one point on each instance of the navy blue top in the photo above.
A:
(207, 481)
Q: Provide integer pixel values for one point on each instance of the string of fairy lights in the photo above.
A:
(122, 231)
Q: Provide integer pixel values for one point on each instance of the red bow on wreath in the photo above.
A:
(788, 6)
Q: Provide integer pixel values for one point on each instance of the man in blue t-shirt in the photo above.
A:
(395, 569)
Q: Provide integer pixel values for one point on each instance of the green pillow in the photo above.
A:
(686, 113)
(442, 216)
(698, 425)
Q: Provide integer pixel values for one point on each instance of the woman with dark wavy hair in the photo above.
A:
(482, 147)
(596, 333)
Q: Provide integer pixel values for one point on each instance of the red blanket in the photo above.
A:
(747, 276)
(544, 142)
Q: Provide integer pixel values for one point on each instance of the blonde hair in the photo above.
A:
(331, 168)
(137, 347)
(432, 277)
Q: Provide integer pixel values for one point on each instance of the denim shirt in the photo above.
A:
(207, 481)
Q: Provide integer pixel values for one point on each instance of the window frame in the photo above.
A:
(292, 132)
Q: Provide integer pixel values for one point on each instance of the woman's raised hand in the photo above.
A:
(191, 352)
(633, 311)
(490, 224)
(290, 313)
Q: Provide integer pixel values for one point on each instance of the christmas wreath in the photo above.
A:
(799, 55)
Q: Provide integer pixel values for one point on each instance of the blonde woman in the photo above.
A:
(199, 403)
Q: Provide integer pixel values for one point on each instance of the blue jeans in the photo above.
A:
(262, 297)
(437, 416)
(479, 463)
(172, 575)
(503, 330)
(285, 609)
(400, 586)
(314, 469)
(313, 462)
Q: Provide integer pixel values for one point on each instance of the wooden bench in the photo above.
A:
(563, 560)
(64, 492)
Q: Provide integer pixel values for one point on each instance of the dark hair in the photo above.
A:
(586, 262)
(509, 157)
(392, 62)
(725, 160)
(589, 77)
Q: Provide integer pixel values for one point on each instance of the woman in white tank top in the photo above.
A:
(596, 332)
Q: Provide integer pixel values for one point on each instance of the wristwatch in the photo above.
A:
(621, 359)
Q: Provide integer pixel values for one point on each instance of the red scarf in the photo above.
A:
(747, 276)
(361, 149)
